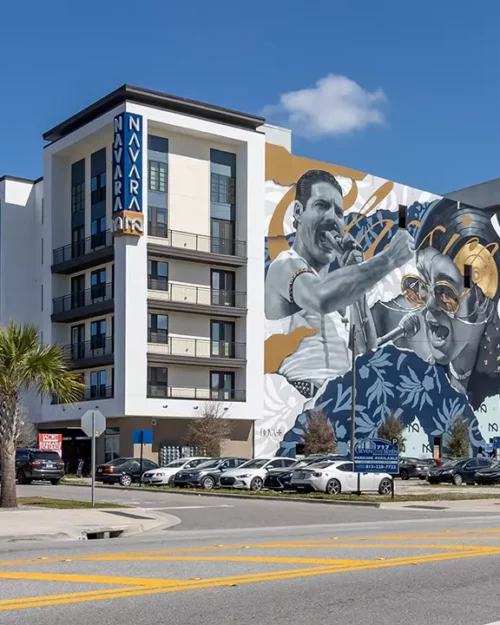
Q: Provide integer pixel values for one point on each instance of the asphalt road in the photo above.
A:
(437, 571)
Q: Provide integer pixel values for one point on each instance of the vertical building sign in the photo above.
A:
(128, 217)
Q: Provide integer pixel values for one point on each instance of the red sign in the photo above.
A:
(50, 442)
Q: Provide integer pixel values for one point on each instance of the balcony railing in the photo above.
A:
(80, 299)
(91, 393)
(197, 294)
(195, 348)
(81, 248)
(198, 242)
(184, 392)
(86, 350)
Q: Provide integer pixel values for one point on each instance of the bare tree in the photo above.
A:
(210, 429)
(319, 436)
(26, 431)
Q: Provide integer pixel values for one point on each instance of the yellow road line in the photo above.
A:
(85, 579)
(238, 580)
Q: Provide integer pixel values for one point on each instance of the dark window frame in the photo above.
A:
(157, 176)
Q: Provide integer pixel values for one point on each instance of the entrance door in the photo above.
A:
(78, 291)
(222, 283)
(78, 342)
(222, 335)
(222, 236)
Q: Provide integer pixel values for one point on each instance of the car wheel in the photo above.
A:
(458, 480)
(208, 483)
(125, 479)
(385, 487)
(404, 475)
(21, 477)
(333, 487)
(55, 482)
(256, 484)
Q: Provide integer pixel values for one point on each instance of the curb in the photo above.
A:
(328, 502)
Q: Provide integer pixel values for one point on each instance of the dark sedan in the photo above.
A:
(415, 467)
(280, 479)
(207, 474)
(458, 472)
(489, 475)
(123, 471)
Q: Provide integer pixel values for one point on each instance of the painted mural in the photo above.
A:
(423, 299)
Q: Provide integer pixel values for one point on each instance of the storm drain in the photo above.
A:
(129, 515)
(107, 534)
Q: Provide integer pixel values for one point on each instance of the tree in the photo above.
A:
(458, 442)
(210, 429)
(319, 435)
(392, 428)
(26, 430)
(26, 365)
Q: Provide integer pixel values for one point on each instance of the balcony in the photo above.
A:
(97, 352)
(93, 250)
(187, 351)
(196, 247)
(203, 394)
(197, 299)
(92, 393)
(98, 300)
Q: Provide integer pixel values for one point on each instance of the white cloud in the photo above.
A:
(336, 105)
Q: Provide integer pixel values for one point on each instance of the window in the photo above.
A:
(98, 384)
(157, 275)
(98, 188)
(157, 176)
(222, 236)
(78, 291)
(222, 189)
(157, 221)
(222, 337)
(77, 197)
(345, 467)
(157, 382)
(157, 328)
(78, 342)
(98, 334)
(222, 283)
(98, 232)
(98, 284)
(221, 385)
(402, 210)
(77, 241)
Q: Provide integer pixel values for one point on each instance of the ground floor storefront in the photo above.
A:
(160, 440)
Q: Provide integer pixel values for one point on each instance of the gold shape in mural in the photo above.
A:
(278, 346)
(466, 221)
(285, 169)
(484, 268)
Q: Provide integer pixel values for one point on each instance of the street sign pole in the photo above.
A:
(353, 400)
(142, 451)
(93, 458)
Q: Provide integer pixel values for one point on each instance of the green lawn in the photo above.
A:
(63, 504)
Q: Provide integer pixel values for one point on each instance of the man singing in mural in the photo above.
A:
(321, 282)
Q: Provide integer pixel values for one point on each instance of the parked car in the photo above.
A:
(165, 475)
(37, 464)
(338, 477)
(251, 474)
(281, 478)
(415, 467)
(459, 471)
(489, 475)
(207, 474)
(123, 470)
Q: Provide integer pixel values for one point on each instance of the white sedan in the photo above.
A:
(251, 474)
(163, 475)
(338, 477)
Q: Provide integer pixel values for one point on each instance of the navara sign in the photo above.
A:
(127, 174)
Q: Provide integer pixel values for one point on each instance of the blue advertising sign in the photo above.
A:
(375, 455)
(144, 437)
(127, 163)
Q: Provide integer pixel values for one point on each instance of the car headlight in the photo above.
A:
(245, 475)
(447, 472)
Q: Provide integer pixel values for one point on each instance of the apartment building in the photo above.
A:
(146, 261)
(163, 245)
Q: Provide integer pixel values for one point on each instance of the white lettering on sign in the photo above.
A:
(125, 224)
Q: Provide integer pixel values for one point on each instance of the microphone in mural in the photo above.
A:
(408, 327)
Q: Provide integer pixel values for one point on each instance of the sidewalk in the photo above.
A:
(38, 524)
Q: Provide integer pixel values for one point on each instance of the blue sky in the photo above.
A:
(407, 91)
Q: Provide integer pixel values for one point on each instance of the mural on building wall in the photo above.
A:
(427, 342)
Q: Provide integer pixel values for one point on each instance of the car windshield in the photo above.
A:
(452, 463)
(117, 462)
(322, 465)
(209, 464)
(254, 464)
(176, 463)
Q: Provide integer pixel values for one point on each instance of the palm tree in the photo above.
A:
(26, 364)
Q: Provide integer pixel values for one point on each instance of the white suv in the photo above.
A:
(164, 475)
(251, 474)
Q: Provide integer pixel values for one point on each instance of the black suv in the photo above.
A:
(37, 464)
(207, 474)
